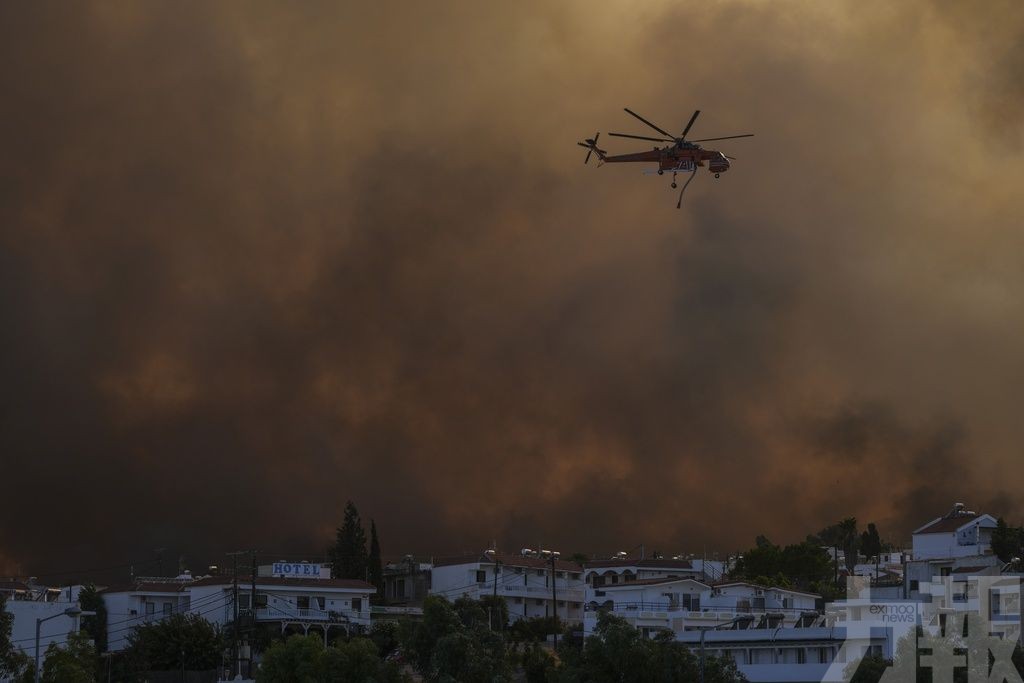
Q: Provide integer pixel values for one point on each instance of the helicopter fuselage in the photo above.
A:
(676, 158)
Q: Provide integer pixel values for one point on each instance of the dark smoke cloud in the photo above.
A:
(259, 259)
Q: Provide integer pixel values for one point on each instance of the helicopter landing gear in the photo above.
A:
(717, 174)
(661, 172)
(674, 186)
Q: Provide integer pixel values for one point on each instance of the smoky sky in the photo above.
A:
(258, 259)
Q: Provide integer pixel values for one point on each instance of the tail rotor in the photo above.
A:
(591, 145)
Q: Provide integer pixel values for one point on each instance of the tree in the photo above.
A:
(453, 643)
(842, 535)
(1006, 541)
(420, 638)
(804, 565)
(75, 663)
(579, 558)
(96, 625)
(384, 635)
(357, 661)
(376, 570)
(870, 542)
(175, 642)
(497, 611)
(620, 653)
(349, 556)
(296, 660)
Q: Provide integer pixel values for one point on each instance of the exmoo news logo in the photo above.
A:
(954, 626)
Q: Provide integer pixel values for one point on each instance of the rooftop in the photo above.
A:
(657, 564)
(509, 560)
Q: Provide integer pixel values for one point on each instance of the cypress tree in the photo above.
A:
(348, 556)
(376, 569)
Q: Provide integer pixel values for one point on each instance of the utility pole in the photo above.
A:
(237, 665)
(554, 602)
(494, 601)
(252, 597)
(234, 604)
(252, 610)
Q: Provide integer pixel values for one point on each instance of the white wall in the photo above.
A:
(23, 630)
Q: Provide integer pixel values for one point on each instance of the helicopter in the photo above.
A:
(682, 156)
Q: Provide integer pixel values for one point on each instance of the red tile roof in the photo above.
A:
(353, 584)
(973, 569)
(226, 581)
(947, 524)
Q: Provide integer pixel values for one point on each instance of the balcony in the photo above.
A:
(666, 609)
(288, 613)
(519, 590)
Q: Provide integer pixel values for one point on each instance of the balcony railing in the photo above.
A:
(702, 612)
(518, 589)
(288, 613)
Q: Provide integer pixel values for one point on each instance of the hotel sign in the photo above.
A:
(298, 570)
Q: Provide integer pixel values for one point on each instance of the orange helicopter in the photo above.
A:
(682, 156)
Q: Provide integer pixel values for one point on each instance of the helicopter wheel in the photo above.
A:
(674, 186)
(717, 174)
(660, 172)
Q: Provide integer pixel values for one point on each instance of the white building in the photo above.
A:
(961, 533)
(961, 539)
(307, 605)
(684, 604)
(524, 580)
(773, 634)
(27, 601)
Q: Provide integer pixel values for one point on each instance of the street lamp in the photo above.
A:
(713, 628)
(74, 612)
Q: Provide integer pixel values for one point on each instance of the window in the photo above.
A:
(357, 604)
(914, 584)
(481, 576)
(302, 602)
(400, 588)
(167, 609)
(150, 608)
(540, 572)
(538, 601)
(261, 600)
(519, 601)
(243, 601)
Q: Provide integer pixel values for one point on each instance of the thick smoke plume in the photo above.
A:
(260, 258)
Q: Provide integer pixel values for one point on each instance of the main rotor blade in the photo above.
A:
(633, 113)
(641, 137)
(727, 137)
(690, 124)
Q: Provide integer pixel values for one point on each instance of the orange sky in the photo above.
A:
(259, 258)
